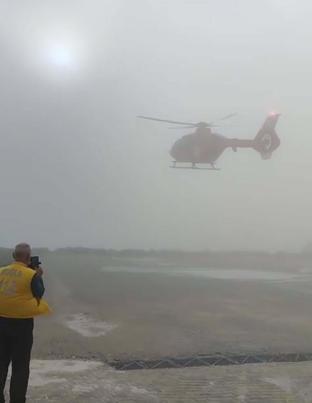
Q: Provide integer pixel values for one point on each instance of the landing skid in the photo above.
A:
(194, 166)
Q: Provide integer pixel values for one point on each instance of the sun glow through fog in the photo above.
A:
(61, 56)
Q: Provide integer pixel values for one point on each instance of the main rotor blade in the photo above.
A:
(223, 118)
(174, 122)
(228, 116)
(182, 127)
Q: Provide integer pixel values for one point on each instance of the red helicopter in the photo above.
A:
(205, 147)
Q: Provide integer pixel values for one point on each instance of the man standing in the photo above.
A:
(21, 290)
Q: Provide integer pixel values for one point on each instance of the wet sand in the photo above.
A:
(148, 312)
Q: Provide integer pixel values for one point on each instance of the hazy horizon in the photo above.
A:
(78, 169)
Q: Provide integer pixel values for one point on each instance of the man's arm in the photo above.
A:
(37, 286)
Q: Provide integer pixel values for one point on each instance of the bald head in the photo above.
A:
(22, 253)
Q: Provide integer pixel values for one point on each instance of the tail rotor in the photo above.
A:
(267, 140)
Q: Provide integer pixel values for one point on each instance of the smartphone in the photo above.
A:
(34, 262)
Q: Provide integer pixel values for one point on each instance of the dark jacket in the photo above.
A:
(37, 287)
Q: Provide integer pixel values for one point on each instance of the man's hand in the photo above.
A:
(39, 271)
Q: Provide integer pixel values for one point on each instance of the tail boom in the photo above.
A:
(265, 142)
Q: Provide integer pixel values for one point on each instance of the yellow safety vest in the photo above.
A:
(16, 298)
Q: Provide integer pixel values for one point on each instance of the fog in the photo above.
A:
(78, 168)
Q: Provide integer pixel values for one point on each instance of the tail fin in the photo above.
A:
(267, 141)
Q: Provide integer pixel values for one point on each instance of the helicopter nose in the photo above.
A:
(174, 152)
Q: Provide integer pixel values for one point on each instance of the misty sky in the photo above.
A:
(78, 169)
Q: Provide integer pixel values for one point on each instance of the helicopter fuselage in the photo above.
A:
(199, 147)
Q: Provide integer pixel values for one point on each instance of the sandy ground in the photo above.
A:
(146, 313)
(77, 381)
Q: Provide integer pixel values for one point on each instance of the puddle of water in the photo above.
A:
(88, 327)
(222, 274)
(234, 274)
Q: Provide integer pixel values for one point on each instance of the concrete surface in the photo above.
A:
(77, 381)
